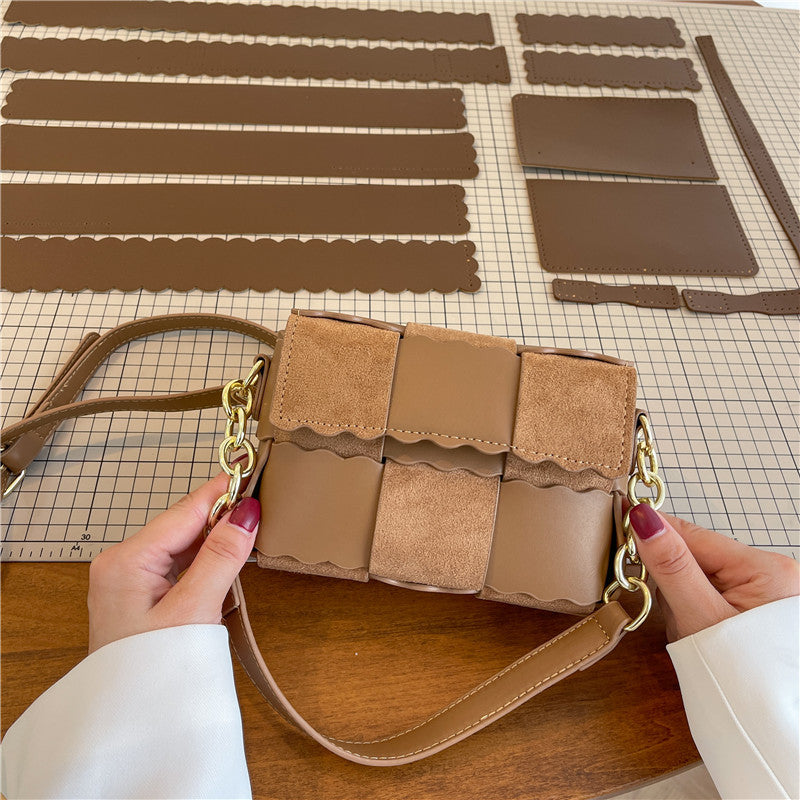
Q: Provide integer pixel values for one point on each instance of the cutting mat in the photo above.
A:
(722, 392)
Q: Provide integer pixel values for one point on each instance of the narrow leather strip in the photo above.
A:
(750, 141)
(638, 228)
(263, 265)
(586, 69)
(237, 59)
(257, 20)
(47, 148)
(131, 101)
(640, 295)
(577, 29)
(625, 135)
(209, 208)
(577, 648)
(783, 303)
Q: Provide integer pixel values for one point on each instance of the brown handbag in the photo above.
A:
(428, 458)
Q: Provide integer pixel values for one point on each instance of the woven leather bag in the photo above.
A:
(429, 458)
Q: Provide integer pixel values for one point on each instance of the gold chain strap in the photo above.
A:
(237, 400)
(646, 472)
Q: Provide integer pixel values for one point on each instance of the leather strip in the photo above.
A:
(209, 208)
(131, 101)
(48, 148)
(257, 20)
(586, 69)
(784, 303)
(624, 135)
(263, 265)
(642, 228)
(646, 296)
(750, 141)
(576, 29)
(238, 59)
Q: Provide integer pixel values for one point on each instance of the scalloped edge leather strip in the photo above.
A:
(643, 295)
(134, 101)
(236, 59)
(594, 29)
(258, 20)
(774, 303)
(264, 265)
(586, 69)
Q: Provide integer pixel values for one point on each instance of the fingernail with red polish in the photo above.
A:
(246, 515)
(646, 521)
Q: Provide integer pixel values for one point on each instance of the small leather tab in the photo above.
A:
(640, 295)
(787, 303)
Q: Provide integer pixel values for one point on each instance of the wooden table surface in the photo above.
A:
(367, 659)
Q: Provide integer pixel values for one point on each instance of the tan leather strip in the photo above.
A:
(202, 152)
(640, 295)
(251, 105)
(750, 141)
(785, 303)
(208, 208)
(586, 69)
(576, 29)
(257, 20)
(237, 59)
(625, 135)
(578, 647)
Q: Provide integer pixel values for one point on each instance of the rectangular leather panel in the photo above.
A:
(434, 528)
(204, 152)
(539, 531)
(208, 208)
(589, 30)
(661, 229)
(456, 335)
(317, 507)
(625, 135)
(334, 377)
(577, 413)
(237, 59)
(643, 295)
(787, 302)
(133, 101)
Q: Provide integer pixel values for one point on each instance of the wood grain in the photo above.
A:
(368, 659)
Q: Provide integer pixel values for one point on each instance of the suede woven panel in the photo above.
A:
(441, 458)
(334, 377)
(576, 412)
(519, 599)
(324, 569)
(455, 335)
(551, 544)
(345, 445)
(546, 473)
(434, 528)
(454, 394)
(317, 507)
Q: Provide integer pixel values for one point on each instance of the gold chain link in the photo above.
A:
(237, 400)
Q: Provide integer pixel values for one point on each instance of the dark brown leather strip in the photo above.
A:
(638, 228)
(207, 208)
(198, 152)
(264, 265)
(641, 295)
(576, 29)
(586, 69)
(237, 59)
(750, 141)
(627, 135)
(783, 303)
(257, 20)
(252, 105)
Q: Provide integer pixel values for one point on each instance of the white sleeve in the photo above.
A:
(739, 682)
(150, 716)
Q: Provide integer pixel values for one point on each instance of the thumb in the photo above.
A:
(694, 603)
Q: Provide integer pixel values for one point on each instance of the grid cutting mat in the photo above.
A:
(722, 391)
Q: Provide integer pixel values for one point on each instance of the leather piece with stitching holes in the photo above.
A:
(237, 59)
(133, 101)
(659, 138)
(41, 148)
(587, 69)
(776, 303)
(638, 228)
(257, 20)
(642, 295)
(589, 30)
(263, 265)
(208, 208)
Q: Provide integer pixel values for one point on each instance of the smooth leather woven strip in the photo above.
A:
(785, 303)
(646, 296)
(589, 30)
